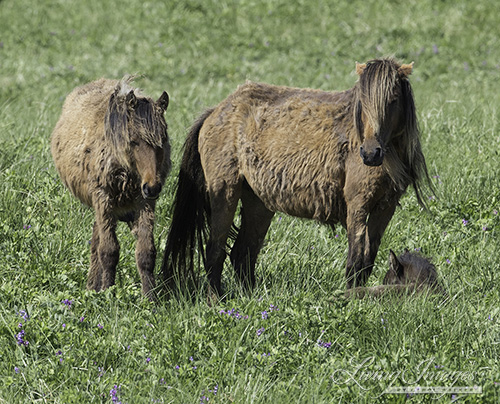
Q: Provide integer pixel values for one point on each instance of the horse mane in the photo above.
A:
(404, 161)
(129, 112)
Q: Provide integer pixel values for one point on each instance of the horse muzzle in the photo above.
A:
(372, 157)
(150, 192)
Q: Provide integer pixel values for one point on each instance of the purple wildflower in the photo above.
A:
(16, 369)
(67, 302)
(114, 392)
(148, 359)
(24, 315)
(100, 326)
(264, 315)
(205, 399)
(465, 222)
(260, 331)
(323, 344)
(234, 313)
(20, 338)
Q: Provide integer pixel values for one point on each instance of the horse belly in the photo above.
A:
(298, 194)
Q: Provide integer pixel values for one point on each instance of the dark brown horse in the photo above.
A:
(337, 157)
(410, 272)
(111, 149)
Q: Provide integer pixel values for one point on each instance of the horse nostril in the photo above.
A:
(151, 192)
(373, 157)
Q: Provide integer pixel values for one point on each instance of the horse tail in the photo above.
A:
(191, 210)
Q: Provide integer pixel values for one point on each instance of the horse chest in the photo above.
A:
(122, 189)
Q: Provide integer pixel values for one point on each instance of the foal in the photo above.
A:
(112, 151)
(408, 272)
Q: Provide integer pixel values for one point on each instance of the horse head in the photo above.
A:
(381, 106)
(138, 132)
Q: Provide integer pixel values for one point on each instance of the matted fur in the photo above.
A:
(111, 149)
(336, 157)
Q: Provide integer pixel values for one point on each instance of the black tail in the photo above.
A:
(191, 212)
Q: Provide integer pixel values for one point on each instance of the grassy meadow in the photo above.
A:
(292, 340)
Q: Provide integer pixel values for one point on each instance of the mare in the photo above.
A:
(337, 157)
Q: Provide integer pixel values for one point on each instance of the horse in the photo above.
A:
(408, 272)
(111, 149)
(336, 157)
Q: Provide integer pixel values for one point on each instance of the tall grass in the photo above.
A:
(293, 339)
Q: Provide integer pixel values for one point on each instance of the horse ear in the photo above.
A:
(405, 70)
(360, 68)
(131, 99)
(395, 265)
(163, 101)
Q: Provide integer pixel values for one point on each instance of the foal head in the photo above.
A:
(383, 107)
(410, 268)
(137, 131)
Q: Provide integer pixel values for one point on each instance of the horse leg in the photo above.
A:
(356, 236)
(145, 250)
(108, 250)
(255, 221)
(95, 273)
(376, 225)
(223, 207)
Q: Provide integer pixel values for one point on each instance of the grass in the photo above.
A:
(291, 340)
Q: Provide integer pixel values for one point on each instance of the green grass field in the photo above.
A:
(291, 340)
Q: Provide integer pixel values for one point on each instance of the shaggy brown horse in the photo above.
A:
(111, 149)
(408, 272)
(331, 156)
